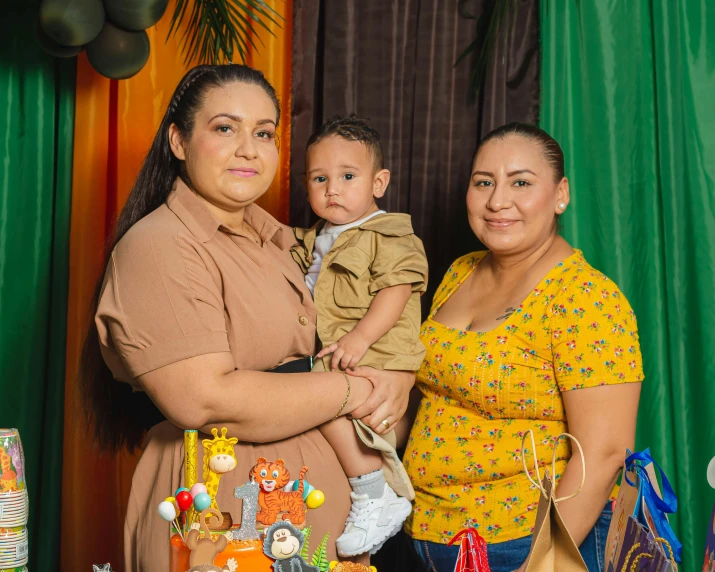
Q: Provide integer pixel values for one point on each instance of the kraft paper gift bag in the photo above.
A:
(552, 547)
(623, 509)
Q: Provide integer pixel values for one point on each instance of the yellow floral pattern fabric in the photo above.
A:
(481, 391)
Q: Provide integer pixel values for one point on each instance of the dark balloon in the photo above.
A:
(72, 22)
(52, 47)
(135, 15)
(117, 53)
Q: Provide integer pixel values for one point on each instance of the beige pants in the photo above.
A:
(392, 467)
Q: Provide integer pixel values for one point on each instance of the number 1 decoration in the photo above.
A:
(248, 493)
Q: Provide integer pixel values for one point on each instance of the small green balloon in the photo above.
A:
(52, 47)
(135, 15)
(72, 22)
(117, 53)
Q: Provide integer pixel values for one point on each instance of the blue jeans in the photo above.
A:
(508, 556)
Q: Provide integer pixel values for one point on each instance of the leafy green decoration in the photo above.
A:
(320, 556)
(489, 25)
(306, 536)
(218, 29)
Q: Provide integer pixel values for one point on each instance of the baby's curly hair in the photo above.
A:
(351, 128)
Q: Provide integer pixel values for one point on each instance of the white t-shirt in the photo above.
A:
(324, 242)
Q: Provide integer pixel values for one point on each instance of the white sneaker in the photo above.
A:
(372, 521)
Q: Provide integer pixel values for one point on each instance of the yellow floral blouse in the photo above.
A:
(482, 390)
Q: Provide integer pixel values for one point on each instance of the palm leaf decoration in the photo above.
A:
(306, 541)
(219, 29)
(492, 22)
(320, 556)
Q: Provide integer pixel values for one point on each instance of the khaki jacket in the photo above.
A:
(380, 253)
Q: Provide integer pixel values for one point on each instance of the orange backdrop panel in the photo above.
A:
(115, 124)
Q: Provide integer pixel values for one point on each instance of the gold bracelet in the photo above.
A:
(347, 396)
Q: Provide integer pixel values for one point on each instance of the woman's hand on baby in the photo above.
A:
(388, 400)
(347, 351)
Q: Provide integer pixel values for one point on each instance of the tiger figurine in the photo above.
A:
(273, 500)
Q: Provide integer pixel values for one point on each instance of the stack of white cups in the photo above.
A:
(14, 503)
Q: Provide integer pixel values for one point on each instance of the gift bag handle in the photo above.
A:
(634, 564)
(671, 556)
(540, 484)
(471, 533)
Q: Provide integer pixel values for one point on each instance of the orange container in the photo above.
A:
(248, 554)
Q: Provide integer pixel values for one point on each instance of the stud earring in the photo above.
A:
(562, 206)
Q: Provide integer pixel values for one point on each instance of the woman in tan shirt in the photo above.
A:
(200, 297)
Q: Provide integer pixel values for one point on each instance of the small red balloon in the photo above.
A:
(184, 500)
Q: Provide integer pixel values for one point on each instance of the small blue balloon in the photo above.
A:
(202, 501)
(167, 511)
(179, 490)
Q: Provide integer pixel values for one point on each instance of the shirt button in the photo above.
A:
(303, 321)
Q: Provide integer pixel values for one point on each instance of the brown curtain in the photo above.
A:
(393, 61)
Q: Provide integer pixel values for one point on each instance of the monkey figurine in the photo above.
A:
(204, 550)
(283, 544)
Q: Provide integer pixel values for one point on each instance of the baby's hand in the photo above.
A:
(347, 351)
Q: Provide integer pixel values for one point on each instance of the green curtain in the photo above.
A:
(628, 89)
(36, 123)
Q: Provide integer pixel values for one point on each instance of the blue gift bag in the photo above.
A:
(651, 508)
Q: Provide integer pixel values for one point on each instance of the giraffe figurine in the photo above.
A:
(219, 458)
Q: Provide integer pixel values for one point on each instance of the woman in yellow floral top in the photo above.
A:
(525, 335)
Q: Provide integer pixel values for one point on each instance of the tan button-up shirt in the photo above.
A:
(381, 252)
(180, 284)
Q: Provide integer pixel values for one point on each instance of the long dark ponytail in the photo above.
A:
(117, 416)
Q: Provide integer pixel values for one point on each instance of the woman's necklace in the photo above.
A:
(254, 235)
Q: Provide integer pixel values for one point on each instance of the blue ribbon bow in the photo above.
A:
(668, 502)
(657, 505)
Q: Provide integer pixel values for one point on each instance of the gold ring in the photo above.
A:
(386, 423)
